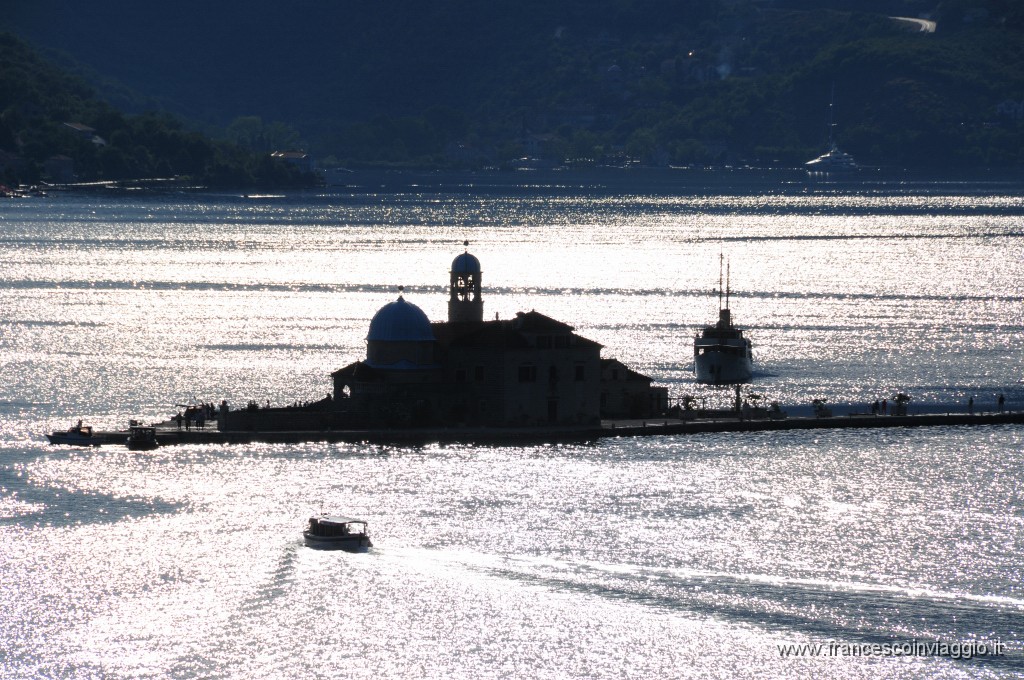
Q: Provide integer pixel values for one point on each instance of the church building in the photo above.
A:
(530, 370)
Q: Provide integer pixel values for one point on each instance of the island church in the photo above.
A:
(530, 370)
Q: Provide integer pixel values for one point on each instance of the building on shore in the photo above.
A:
(628, 394)
(527, 371)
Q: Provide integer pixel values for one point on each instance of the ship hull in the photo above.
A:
(721, 367)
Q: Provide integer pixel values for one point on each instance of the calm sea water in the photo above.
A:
(703, 556)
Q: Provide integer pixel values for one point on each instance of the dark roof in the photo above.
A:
(335, 519)
(505, 333)
(485, 334)
(535, 322)
(630, 373)
(359, 371)
(586, 342)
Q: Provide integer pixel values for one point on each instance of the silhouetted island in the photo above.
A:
(527, 371)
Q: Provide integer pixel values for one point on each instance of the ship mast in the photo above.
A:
(724, 318)
(727, 285)
(721, 259)
(831, 118)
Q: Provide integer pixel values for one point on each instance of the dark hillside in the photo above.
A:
(53, 128)
(662, 81)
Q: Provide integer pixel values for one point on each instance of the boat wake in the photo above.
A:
(848, 610)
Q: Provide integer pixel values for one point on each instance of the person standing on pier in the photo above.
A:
(970, 406)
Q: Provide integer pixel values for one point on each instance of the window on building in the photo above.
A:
(561, 341)
(543, 342)
(460, 375)
(478, 374)
(527, 373)
(580, 375)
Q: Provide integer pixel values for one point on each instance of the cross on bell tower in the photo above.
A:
(465, 304)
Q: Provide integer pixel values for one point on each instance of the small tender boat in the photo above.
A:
(721, 355)
(76, 436)
(332, 532)
(141, 438)
(79, 435)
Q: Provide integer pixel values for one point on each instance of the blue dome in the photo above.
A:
(465, 264)
(400, 321)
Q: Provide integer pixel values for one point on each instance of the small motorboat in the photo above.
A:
(334, 533)
(79, 435)
(141, 438)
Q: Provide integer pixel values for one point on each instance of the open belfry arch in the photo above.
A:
(465, 301)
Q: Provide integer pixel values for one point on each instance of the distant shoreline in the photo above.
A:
(572, 180)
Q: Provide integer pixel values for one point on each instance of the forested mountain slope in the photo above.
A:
(662, 81)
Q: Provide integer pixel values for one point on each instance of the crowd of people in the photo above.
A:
(196, 415)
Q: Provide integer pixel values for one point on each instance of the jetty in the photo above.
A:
(169, 434)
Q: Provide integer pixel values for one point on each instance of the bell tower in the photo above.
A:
(465, 304)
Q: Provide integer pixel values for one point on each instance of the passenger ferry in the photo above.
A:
(721, 355)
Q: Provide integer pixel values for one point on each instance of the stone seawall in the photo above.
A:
(538, 435)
